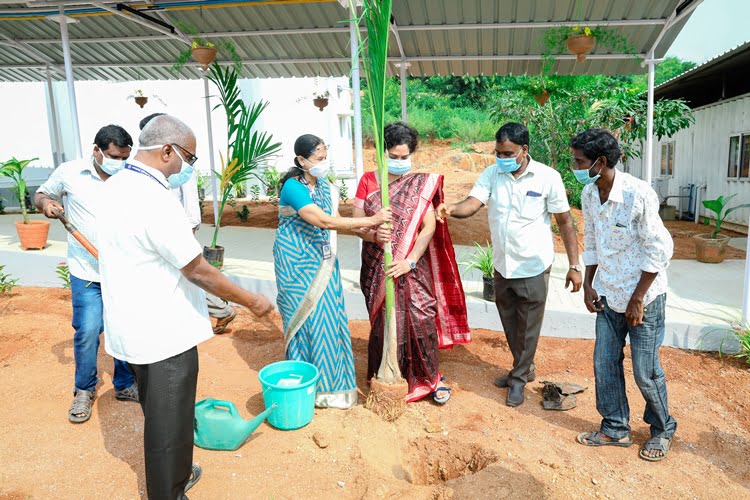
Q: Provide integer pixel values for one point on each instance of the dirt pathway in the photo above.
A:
(474, 447)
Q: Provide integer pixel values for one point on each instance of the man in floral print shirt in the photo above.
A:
(626, 253)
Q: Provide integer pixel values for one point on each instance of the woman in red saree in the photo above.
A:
(430, 303)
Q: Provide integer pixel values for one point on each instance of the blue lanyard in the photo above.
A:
(139, 170)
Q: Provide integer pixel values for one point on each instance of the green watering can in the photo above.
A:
(219, 426)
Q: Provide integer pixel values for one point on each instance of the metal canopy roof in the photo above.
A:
(285, 38)
(723, 77)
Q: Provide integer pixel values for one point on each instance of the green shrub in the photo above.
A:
(6, 282)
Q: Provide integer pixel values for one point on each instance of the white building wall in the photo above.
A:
(702, 155)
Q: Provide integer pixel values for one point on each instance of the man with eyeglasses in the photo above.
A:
(155, 314)
(75, 188)
(187, 193)
(521, 194)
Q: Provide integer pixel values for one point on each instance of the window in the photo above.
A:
(738, 166)
(667, 159)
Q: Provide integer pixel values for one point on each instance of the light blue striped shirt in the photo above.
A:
(79, 187)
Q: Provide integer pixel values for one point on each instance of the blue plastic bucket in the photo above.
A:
(291, 385)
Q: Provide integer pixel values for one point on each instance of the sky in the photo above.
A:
(715, 27)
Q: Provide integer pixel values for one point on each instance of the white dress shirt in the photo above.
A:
(519, 215)
(624, 237)
(187, 194)
(77, 185)
(151, 311)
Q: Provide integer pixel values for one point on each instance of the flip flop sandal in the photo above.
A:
(194, 477)
(655, 443)
(442, 400)
(598, 439)
(80, 410)
(222, 323)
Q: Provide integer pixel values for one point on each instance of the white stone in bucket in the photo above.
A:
(290, 381)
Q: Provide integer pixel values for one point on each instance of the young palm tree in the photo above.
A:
(388, 390)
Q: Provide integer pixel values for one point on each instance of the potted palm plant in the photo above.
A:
(247, 150)
(711, 248)
(482, 261)
(32, 233)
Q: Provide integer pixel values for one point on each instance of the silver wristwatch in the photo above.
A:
(576, 267)
(412, 264)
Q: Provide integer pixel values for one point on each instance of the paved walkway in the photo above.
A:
(701, 299)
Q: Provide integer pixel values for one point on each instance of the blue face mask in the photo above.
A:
(399, 167)
(508, 165)
(110, 166)
(584, 177)
(181, 177)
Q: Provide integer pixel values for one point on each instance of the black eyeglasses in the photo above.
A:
(191, 158)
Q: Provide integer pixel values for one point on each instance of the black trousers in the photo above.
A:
(520, 303)
(167, 394)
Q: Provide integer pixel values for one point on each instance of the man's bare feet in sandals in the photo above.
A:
(599, 439)
(80, 410)
(655, 449)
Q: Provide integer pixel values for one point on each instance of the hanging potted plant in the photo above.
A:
(711, 248)
(320, 99)
(31, 233)
(141, 99)
(539, 88)
(482, 261)
(202, 51)
(580, 41)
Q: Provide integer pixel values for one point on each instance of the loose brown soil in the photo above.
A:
(461, 169)
(474, 447)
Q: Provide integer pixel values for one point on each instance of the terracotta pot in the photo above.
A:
(488, 291)
(204, 56)
(629, 122)
(33, 235)
(214, 256)
(141, 101)
(710, 250)
(320, 102)
(542, 98)
(580, 45)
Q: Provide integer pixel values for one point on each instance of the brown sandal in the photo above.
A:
(222, 323)
(80, 410)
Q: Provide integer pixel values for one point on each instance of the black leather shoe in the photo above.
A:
(502, 382)
(515, 395)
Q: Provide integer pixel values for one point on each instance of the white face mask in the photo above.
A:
(320, 169)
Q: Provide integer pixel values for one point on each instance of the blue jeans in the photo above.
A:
(88, 325)
(645, 339)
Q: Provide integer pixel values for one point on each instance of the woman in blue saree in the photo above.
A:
(310, 296)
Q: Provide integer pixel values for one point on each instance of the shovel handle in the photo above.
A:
(85, 243)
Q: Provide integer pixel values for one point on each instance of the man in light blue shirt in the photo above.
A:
(75, 188)
(521, 194)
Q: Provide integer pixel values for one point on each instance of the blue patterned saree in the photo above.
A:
(310, 299)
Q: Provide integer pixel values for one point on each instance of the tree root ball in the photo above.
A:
(387, 400)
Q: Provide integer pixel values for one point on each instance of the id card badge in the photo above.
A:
(327, 251)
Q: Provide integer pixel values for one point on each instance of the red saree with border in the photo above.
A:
(430, 302)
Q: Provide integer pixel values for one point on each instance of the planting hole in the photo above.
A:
(436, 460)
